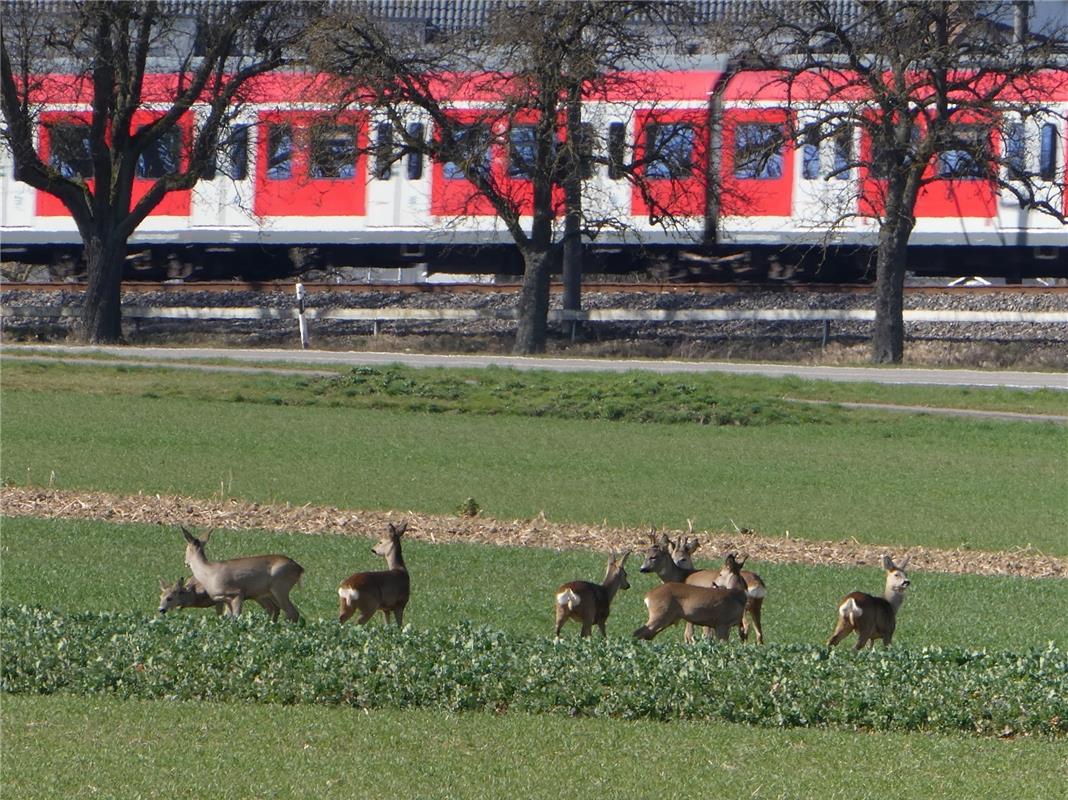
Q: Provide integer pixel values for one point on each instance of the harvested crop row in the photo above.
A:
(539, 532)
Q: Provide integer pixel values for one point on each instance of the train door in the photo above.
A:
(16, 198)
(826, 183)
(224, 195)
(1034, 148)
(398, 179)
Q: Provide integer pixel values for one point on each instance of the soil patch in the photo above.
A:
(235, 514)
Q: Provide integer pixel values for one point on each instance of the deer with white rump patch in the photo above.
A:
(718, 608)
(756, 591)
(188, 593)
(388, 590)
(235, 580)
(870, 616)
(590, 603)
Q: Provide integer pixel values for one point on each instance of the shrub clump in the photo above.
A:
(466, 668)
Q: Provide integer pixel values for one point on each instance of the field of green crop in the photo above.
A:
(102, 698)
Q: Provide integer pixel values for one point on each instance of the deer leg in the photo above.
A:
(861, 641)
(688, 634)
(754, 613)
(282, 598)
(398, 615)
(561, 618)
(365, 615)
(604, 633)
(842, 630)
(385, 613)
(269, 606)
(723, 632)
(235, 605)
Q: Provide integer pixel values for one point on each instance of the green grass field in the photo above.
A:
(820, 474)
(411, 442)
(132, 749)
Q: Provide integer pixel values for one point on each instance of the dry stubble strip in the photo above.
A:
(240, 515)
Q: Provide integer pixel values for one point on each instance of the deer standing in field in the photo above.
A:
(590, 603)
(233, 581)
(870, 616)
(717, 608)
(756, 591)
(388, 590)
(188, 593)
(658, 559)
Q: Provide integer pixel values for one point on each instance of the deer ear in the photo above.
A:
(693, 545)
(623, 561)
(188, 536)
(162, 585)
(888, 563)
(181, 583)
(904, 563)
(207, 536)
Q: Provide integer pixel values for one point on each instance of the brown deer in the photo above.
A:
(755, 589)
(233, 581)
(388, 590)
(870, 616)
(188, 593)
(588, 602)
(718, 608)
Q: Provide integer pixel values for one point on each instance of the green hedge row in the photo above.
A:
(201, 657)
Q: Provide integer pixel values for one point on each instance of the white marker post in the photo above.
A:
(300, 317)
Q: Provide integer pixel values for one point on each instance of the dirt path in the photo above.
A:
(240, 515)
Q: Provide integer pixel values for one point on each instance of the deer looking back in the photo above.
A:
(717, 608)
(388, 590)
(755, 589)
(588, 602)
(233, 581)
(873, 617)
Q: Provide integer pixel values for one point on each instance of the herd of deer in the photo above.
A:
(711, 599)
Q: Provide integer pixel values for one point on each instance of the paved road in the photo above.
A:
(323, 358)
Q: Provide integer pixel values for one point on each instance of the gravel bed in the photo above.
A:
(1040, 345)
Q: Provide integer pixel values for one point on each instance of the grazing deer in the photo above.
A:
(682, 555)
(233, 581)
(718, 608)
(388, 590)
(588, 602)
(870, 616)
(188, 593)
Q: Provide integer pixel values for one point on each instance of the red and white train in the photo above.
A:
(301, 186)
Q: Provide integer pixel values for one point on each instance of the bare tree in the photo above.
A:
(944, 97)
(159, 83)
(533, 64)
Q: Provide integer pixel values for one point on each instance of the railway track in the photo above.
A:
(144, 287)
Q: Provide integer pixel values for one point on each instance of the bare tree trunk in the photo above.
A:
(102, 315)
(532, 329)
(888, 336)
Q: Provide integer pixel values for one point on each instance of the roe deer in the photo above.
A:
(870, 616)
(588, 602)
(755, 588)
(237, 579)
(188, 593)
(717, 608)
(388, 590)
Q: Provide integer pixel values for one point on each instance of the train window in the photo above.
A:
(810, 155)
(415, 156)
(384, 151)
(669, 151)
(522, 144)
(69, 151)
(968, 157)
(231, 159)
(333, 151)
(758, 151)
(1047, 152)
(843, 153)
(1015, 151)
(470, 150)
(617, 148)
(161, 157)
(279, 152)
